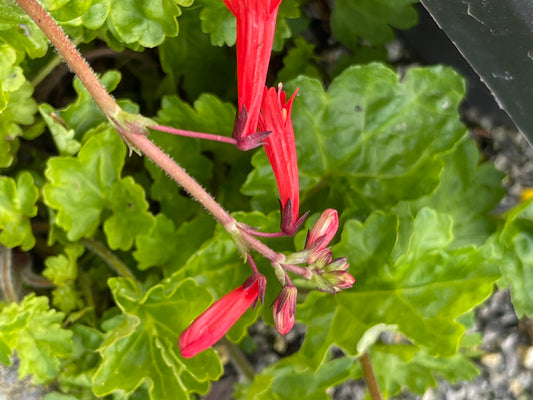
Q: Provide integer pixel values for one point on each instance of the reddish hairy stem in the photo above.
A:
(135, 133)
(197, 135)
(111, 109)
(71, 55)
(181, 177)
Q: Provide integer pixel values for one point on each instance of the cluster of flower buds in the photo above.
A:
(265, 118)
(329, 274)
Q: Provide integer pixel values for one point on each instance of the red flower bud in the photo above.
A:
(213, 324)
(323, 231)
(284, 308)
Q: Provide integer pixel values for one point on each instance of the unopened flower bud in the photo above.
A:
(319, 259)
(323, 284)
(284, 308)
(339, 279)
(323, 231)
(339, 264)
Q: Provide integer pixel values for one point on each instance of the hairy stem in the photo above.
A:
(370, 378)
(110, 259)
(197, 135)
(181, 177)
(6, 277)
(71, 55)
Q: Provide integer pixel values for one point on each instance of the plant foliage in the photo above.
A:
(387, 150)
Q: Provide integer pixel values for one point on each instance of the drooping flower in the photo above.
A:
(213, 323)
(284, 308)
(280, 149)
(256, 24)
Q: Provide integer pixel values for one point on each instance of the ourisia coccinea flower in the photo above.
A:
(256, 24)
(284, 308)
(280, 149)
(213, 324)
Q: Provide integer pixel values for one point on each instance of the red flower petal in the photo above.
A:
(213, 324)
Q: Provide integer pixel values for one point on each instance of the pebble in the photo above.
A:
(528, 358)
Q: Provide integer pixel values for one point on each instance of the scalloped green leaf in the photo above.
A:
(417, 289)
(402, 365)
(25, 38)
(371, 20)
(63, 136)
(513, 246)
(144, 23)
(17, 206)
(62, 270)
(130, 214)
(468, 191)
(370, 141)
(158, 246)
(143, 347)
(16, 104)
(288, 379)
(34, 331)
(78, 187)
(300, 60)
(189, 61)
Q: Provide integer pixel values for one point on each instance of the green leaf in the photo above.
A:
(78, 187)
(77, 371)
(288, 379)
(221, 24)
(63, 271)
(16, 105)
(371, 20)
(130, 214)
(513, 247)
(300, 60)
(189, 61)
(166, 247)
(83, 114)
(25, 38)
(468, 191)
(62, 135)
(144, 24)
(143, 346)
(370, 140)
(81, 188)
(400, 366)
(17, 206)
(421, 288)
(35, 332)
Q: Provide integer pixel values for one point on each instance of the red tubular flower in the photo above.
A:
(256, 23)
(213, 324)
(284, 308)
(280, 149)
